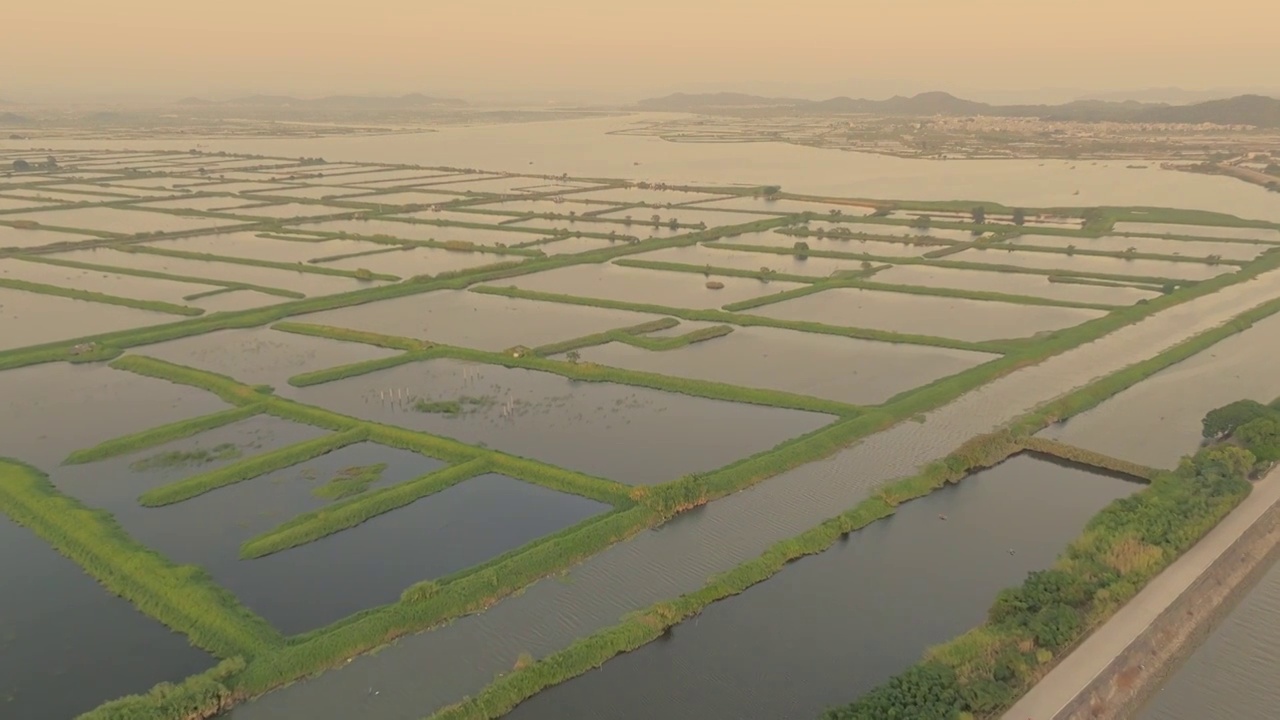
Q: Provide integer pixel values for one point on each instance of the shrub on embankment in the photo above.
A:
(197, 698)
(983, 671)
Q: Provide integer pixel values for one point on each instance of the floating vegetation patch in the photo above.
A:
(463, 405)
(351, 481)
(187, 458)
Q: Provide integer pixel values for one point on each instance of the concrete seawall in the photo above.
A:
(1123, 663)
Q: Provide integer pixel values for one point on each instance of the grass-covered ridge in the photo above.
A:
(182, 597)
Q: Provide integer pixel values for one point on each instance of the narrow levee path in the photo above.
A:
(1079, 669)
(422, 673)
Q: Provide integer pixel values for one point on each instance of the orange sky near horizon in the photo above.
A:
(453, 46)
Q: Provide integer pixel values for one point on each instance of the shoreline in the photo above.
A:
(1121, 665)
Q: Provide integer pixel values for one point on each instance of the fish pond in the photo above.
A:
(957, 318)
(635, 285)
(826, 366)
(599, 428)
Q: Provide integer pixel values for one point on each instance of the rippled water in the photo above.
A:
(1233, 675)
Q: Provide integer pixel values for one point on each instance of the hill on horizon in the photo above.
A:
(1257, 110)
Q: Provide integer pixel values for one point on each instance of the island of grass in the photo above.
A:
(350, 481)
(187, 458)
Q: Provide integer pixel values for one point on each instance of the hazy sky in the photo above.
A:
(627, 49)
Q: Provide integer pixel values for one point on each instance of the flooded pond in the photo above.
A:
(647, 196)
(115, 220)
(635, 285)
(689, 215)
(710, 255)
(832, 626)
(28, 318)
(957, 318)
(307, 283)
(1157, 421)
(571, 203)
(66, 644)
(413, 261)
(475, 320)
(31, 238)
(249, 245)
(785, 207)
(261, 356)
(1092, 264)
(316, 193)
(285, 211)
(421, 231)
(1012, 283)
(129, 286)
(206, 204)
(1120, 243)
(602, 429)
(827, 366)
(413, 197)
(1208, 231)
(1232, 675)
(70, 407)
(830, 244)
(574, 245)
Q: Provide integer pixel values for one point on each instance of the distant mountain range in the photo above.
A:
(1255, 110)
(395, 102)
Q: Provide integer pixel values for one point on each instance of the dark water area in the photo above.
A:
(66, 644)
(830, 627)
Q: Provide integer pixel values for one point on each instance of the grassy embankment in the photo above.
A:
(249, 468)
(956, 264)
(90, 296)
(854, 279)
(736, 318)
(164, 434)
(639, 628)
(227, 285)
(182, 597)
(234, 260)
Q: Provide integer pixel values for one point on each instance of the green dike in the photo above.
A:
(153, 305)
(1106, 283)
(196, 698)
(279, 292)
(1080, 456)
(184, 598)
(977, 295)
(1118, 255)
(637, 629)
(163, 434)
(250, 468)
(710, 271)
(591, 372)
(293, 267)
(229, 389)
(635, 336)
(358, 336)
(723, 316)
(363, 367)
(346, 514)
